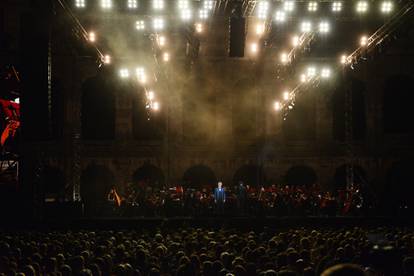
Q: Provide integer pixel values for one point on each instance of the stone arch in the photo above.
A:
(360, 176)
(301, 175)
(358, 91)
(398, 99)
(250, 174)
(300, 122)
(199, 176)
(148, 175)
(98, 108)
(96, 182)
(244, 109)
(198, 110)
(53, 183)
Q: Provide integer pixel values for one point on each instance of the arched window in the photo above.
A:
(53, 181)
(96, 182)
(398, 101)
(98, 108)
(199, 176)
(300, 176)
(357, 116)
(399, 188)
(340, 177)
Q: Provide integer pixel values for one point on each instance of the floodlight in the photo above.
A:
(337, 6)
(155, 106)
(92, 36)
(186, 14)
(363, 41)
(254, 47)
(344, 59)
(183, 4)
(106, 4)
(161, 40)
(280, 16)
(151, 95)
(387, 7)
(199, 27)
(303, 78)
(286, 95)
(311, 71)
(263, 8)
(362, 7)
(312, 6)
(260, 28)
(203, 14)
(132, 4)
(158, 23)
(289, 6)
(325, 73)
(158, 4)
(124, 73)
(107, 59)
(277, 106)
(140, 25)
(80, 3)
(295, 41)
(208, 4)
(284, 58)
(166, 57)
(306, 27)
(324, 27)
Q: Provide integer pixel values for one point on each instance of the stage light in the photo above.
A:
(284, 58)
(151, 95)
(263, 8)
(325, 73)
(140, 25)
(158, 4)
(17, 100)
(166, 57)
(312, 6)
(277, 106)
(286, 95)
(337, 6)
(140, 73)
(199, 27)
(80, 3)
(386, 7)
(260, 28)
(363, 41)
(132, 4)
(295, 41)
(124, 73)
(343, 59)
(155, 106)
(362, 7)
(107, 59)
(186, 14)
(289, 6)
(306, 27)
(324, 27)
(290, 107)
(280, 16)
(92, 36)
(311, 71)
(158, 23)
(203, 14)
(106, 4)
(183, 5)
(161, 40)
(303, 78)
(208, 4)
(254, 48)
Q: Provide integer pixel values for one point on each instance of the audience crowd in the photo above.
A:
(202, 251)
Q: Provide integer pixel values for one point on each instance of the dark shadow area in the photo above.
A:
(199, 176)
(301, 176)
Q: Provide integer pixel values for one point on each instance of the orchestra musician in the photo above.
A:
(114, 197)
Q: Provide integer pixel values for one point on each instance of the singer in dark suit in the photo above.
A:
(219, 197)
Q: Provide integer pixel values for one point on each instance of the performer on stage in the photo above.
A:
(219, 197)
(242, 197)
(114, 197)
